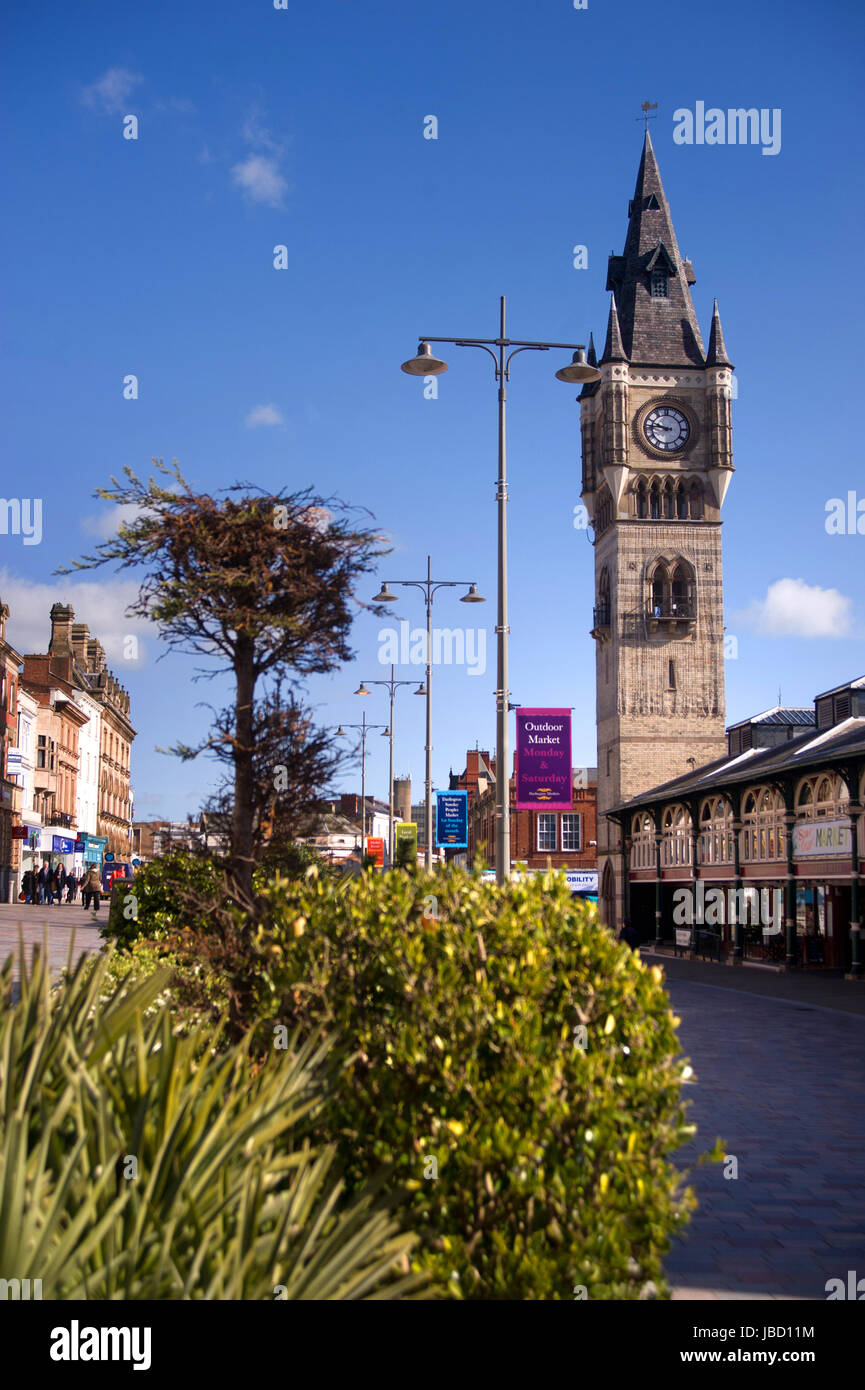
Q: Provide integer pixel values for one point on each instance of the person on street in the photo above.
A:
(43, 884)
(71, 886)
(91, 886)
(28, 885)
(58, 881)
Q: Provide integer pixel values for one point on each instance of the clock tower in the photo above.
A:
(657, 461)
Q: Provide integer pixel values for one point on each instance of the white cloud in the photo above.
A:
(107, 523)
(793, 608)
(264, 415)
(259, 177)
(101, 603)
(112, 91)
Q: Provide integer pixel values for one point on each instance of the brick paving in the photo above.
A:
(779, 1079)
(64, 923)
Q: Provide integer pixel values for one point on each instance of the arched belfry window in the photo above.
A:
(682, 589)
(641, 502)
(671, 591)
(659, 284)
(655, 500)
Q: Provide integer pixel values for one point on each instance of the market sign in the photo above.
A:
(374, 848)
(543, 759)
(405, 842)
(452, 819)
(821, 837)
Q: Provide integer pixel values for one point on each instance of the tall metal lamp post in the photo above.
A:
(392, 686)
(365, 729)
(428, 588)
(577, 371)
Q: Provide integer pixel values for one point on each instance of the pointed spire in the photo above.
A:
(613, 349)
(659, 329)
(717, 354)
(592, 356)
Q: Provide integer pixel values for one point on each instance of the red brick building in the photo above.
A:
(539, 839)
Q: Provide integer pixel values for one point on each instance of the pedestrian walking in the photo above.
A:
(28, 885)
(71, 886)
(43, 884)
(58, 881)
(91, 886)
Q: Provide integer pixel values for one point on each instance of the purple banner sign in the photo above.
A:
(544, 760)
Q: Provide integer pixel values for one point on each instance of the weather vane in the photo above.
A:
(646, 107)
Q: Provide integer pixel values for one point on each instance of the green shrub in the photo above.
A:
(537, 1164)
(138, 1164)
(160, 896)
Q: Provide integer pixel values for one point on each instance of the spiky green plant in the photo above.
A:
(139, 1164)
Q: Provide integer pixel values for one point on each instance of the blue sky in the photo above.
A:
(304, 127)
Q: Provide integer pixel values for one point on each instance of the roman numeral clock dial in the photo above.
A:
(666, 428)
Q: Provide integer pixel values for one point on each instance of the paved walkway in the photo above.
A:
(63, 922)
(779, 1079)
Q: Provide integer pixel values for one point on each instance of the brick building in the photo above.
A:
(75, 662)
(10, 792)
(539, 839)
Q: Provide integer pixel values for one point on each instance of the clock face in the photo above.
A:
(666, 428)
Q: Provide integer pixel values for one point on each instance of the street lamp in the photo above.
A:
(428, 588)
(365, 729)
(577, 371)
(392, 686)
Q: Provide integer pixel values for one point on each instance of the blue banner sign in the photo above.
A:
(452, 820)
(61, 845)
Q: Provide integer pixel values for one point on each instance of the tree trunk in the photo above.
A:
(244, 785)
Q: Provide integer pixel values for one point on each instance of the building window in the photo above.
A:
(572, 838)
(659, 284)
(41, 751)
(671, 674)
(547, 832)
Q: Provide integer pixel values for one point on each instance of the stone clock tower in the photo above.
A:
(657, 461)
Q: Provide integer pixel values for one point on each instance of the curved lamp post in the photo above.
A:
(365, 729)
(577, 371)
(392, 686)
(428, 588)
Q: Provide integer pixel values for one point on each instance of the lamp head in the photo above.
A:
(361, 690)
(579, 369)
(421, 690)
(424, 364)
(473, 596)
(384, 595)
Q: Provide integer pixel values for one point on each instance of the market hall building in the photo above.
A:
(782, 812)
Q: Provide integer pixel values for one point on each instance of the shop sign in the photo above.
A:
(821, 837)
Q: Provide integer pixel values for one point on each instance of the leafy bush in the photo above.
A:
(136, 1164)
(538, 1155)
(160, 898)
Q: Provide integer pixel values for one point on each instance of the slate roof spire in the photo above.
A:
(613, 349)
(717, 353)
(660, 329)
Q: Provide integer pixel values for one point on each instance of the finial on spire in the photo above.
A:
(646, 107)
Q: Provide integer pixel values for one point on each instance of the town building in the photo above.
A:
(22, 766)
(657, 460)
(75, 666)
(564, 840)
(10, 791)
(776, 824)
